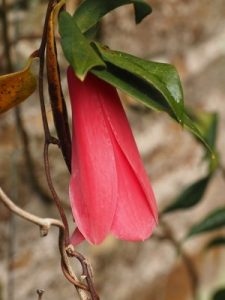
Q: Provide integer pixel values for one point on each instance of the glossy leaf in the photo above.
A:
(213, 221)
(219, 295)
(132, 86)
(90, 12)
(58, 104)
(190, 196)
(17, 87)
(207, 123)
(145, 93)
(216, 242)
(77, 50)
(193, 128)
(162, 78)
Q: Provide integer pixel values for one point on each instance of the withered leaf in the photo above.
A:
(55, 91)
(16, 87)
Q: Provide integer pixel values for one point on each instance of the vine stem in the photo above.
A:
(85, 292)
(40, 294)
(45, 224)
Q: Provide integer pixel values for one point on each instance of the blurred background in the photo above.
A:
(187, 33)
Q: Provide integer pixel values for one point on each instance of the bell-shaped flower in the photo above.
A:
(110, 191)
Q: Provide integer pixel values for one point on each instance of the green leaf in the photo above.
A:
(207, 124)
(91, 11)
(193, 128)
(213, 221)
(216, 242)
(161, 78)
(146, 93)
(132, 86)
(190, 196)
(76, 47)
(219, 295)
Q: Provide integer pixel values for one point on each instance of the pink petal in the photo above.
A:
(136, 213)
(133, 219)
(123, 136)
(93, 185)
(109, 188)
(77, 237)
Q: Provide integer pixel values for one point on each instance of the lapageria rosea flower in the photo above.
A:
(110, 192)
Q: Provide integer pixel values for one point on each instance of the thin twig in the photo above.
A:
(82, 290)
(48, 138)
(87, 271)
(45, 224)
(40, 294)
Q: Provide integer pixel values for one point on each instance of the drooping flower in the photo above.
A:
(110, 192)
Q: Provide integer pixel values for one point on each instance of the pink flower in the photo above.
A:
(109, 188)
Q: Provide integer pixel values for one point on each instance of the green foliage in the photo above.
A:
(214, 220)
(191, 196)
(90, 12)
(161, 78)
(219, 295)
(216, 242)
(156, 85)
(76, 47)
(207, 124)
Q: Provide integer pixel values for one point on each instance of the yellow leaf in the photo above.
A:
(16, 87)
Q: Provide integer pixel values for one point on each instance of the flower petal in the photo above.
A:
(133, 219)
(77, 237)
(93, 185)
(136, 213)
(124, 139)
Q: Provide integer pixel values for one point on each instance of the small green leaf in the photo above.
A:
(91, 11)
(132, 86)
(219, 295)
(216, 242)
(144, 92)
(77, 50)
(190, 196)
(193, 128)
(162, 78)
(213, 221)
(207, 123)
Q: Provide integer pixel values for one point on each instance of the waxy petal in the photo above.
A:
(77, 237)
(93, 185)
(109, 188)
(136, 213)
(125, 141)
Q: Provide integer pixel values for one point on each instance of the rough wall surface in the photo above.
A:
(189, 34)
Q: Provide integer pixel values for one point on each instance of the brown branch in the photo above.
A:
(45, 224)
(40, 294)
(87, 271)
(82, 291)
(48, 138)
